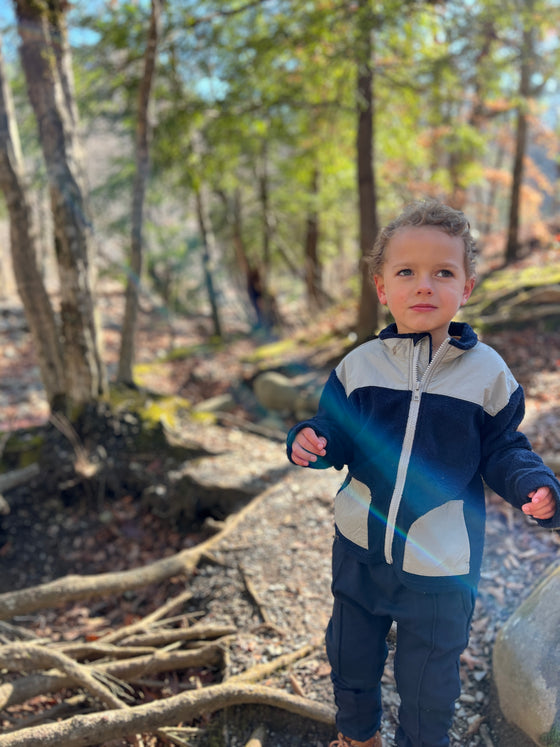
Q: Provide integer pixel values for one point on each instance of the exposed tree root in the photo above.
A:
(133, 655)
(96, 728)
(73, 587)
(30, 656)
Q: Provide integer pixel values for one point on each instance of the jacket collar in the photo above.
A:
(462, 335)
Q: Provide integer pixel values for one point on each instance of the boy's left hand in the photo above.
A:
(542, 505)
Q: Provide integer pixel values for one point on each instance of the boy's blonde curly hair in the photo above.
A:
(425, 213)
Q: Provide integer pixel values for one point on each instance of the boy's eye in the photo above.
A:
(445, 274)
(405, 273)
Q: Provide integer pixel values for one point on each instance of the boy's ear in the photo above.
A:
(469, 286)
(380, 285)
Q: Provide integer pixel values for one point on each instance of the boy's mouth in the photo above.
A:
(423, 307)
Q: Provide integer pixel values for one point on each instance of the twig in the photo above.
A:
(175, 733)
(260, 671)
(83, 465)
(257, 737)
(296, 687)
(194, 633)
(146, 621)
(254, 596)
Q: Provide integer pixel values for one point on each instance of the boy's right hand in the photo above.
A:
(307, 446)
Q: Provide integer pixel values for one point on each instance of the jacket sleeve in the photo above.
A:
(509, 465)
(334, 421)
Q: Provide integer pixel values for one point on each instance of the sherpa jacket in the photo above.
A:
(418, 435)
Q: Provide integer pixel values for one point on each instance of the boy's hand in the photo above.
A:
(307, 446)
(542, 506)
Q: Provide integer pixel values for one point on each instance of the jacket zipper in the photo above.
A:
(406, 451)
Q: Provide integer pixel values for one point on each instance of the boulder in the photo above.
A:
(219, 484)
(276, 392)
(526, 663)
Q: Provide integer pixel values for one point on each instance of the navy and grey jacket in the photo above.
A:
(419, 435)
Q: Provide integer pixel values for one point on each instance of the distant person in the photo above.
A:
(420, 416)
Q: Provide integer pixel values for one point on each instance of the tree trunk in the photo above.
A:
(23, 242)
(251, 273)
(207, 237)
(126, 358)
(62, 55)
(85, 371)
(269, 310)
(489, 205)
(512, 245)
(368, 307)
(265, 207)
(313, 270)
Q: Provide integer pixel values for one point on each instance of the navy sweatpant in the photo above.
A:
(432, 631)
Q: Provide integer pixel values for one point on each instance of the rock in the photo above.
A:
(220, 484)
(526, 662)
(552, 460)
(306, 404)
(220, 403)
(274, 391)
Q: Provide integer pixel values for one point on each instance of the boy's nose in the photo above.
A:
(424, 286)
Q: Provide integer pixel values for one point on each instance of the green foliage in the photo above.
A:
(513, 279)
(502, 297)
(254, 94)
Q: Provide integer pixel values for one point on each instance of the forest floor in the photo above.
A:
(281, 552)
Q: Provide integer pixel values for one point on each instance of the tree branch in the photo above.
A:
(92, 729)
(25, 656)
(74, 587)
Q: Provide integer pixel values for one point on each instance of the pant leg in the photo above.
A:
(356, 646)
(432, 631)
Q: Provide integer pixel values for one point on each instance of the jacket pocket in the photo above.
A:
(351, 511)
(438, 544)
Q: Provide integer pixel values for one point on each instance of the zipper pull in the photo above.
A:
(416, 395)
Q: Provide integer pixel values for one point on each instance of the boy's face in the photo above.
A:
(424, 280)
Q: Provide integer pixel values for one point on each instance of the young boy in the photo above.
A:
(420, 416)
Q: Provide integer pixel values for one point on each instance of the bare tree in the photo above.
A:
(23, 243)
(126, 358)
(208, 254)
(521, 127)
(43, 60)
(313, 269)
(367, 193)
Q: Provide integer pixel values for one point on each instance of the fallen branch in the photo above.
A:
(91, 729)
(18, 477)
(81, 651)
(71, 588)
(249, 585)
(148, 620)
(26, 656)
(13, 479)
(194, 633)
(260, 671)
(130, 670)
